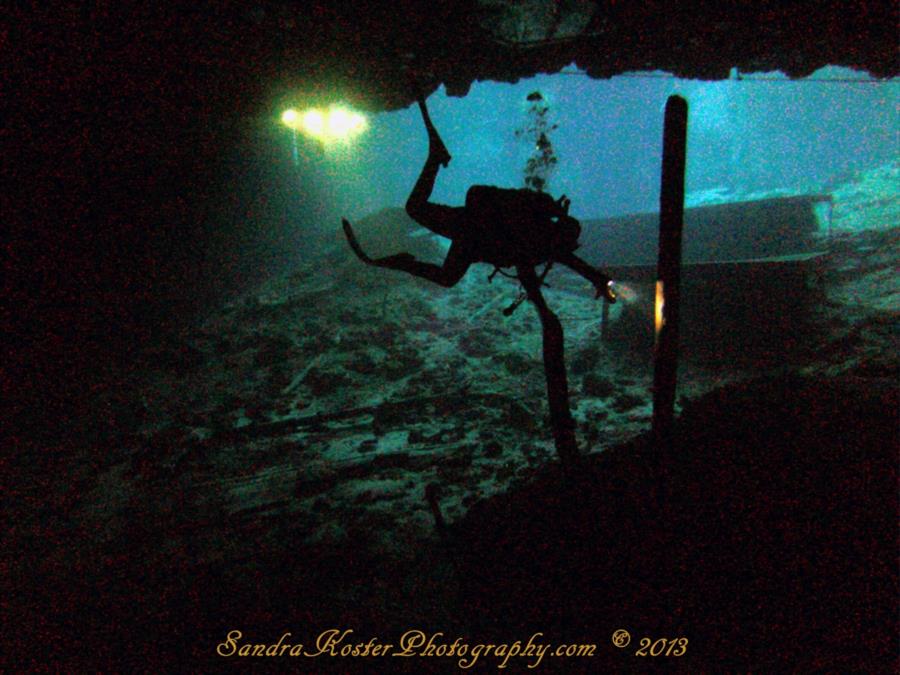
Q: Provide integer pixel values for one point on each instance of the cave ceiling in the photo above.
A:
(363, 49)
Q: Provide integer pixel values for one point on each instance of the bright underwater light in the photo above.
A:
(659, 308)
(335, 125)
(313, 123)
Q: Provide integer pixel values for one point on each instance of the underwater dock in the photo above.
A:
(748, 272)
(751, 231)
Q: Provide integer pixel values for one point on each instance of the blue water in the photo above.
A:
(744, 136)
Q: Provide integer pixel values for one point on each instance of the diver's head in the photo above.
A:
(568, 230)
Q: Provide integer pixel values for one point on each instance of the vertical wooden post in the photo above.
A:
(671, 222)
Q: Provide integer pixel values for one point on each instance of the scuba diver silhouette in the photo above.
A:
(503, 227)
(519, 228)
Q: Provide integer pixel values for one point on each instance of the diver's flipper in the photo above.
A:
(436, 147)
(398, 261)
(441, 151)
(351, 239)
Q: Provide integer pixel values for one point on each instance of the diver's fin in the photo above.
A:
(397, 261)
(351, 239)
(441, 151)
(436, 146)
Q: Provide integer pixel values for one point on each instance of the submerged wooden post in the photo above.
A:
(671, 222)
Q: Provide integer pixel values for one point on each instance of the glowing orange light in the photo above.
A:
(660, 304)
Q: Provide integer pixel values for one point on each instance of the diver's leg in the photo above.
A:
(592, 274)
(447, 221)
(417, 203)
(554, 368)
(447, 275)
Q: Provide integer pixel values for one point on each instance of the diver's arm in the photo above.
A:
(600, 281)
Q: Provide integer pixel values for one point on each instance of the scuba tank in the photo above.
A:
(518, 226)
